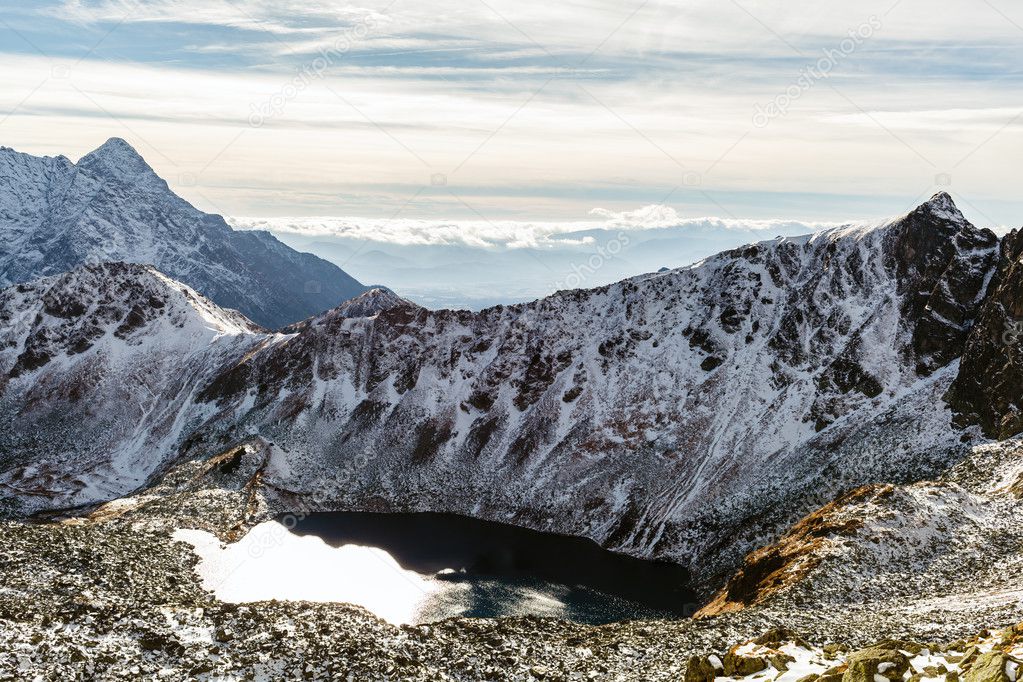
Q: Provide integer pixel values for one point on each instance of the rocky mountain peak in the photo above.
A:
(371, 303)
(942, 265)
(112, 206)
(115, 147)
(943, 207)
(69, 314)
(116, 156)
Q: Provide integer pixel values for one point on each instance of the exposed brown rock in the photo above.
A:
(740, 666)
(699, 669)
(989, 667)
(776, 567)
(887, 662)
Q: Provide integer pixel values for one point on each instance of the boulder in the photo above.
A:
(831, 651)
(740, 666)
(780, 662)
(778, 636)
(967, 658)
(700, 669)
(866, 663)
(989, 667)
(834, 674)
(863, 670)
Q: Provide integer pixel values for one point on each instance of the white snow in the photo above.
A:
(270, 562)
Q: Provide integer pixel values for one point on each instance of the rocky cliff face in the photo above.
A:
(691, 414)
(111, 206)
(652, 414)
(943, 266)
(988, 389)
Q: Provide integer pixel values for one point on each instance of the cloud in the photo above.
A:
(283, 17)
(657, 26)
(511, 235)
(527, 110)
(661, 217)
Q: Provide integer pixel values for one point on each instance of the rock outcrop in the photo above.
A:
(987, 390)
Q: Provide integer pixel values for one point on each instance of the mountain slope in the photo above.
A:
(98, 368)
(111, 206)
(692, 414)
(936, 551)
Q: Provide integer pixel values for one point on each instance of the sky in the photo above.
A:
(494, 110)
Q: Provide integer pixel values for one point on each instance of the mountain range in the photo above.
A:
(698, 414)
(56, 215)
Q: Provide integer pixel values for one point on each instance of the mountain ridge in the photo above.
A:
(692, 414)
(112, 206)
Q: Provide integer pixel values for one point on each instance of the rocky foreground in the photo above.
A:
(110, 595)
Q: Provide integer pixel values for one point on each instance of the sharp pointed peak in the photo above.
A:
(115, 144)
(942, 205)
(118, 157)
(115, 150)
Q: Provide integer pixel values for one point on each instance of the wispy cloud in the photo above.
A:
(529, 108)
(285, 17)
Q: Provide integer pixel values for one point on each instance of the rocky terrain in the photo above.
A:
(110, 595)
(56, 215)
(99, 368)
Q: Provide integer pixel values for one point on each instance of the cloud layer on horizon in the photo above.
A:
(511, 234)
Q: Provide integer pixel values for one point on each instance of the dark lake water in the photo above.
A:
(492, 569)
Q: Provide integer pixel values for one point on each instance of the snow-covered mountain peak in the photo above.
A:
(941, 210)
(111, 206)
(939, 213)
(115, 147)
(105, 306)
(371, 303)
(942, 205)
(103, 363)
(118, 158)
